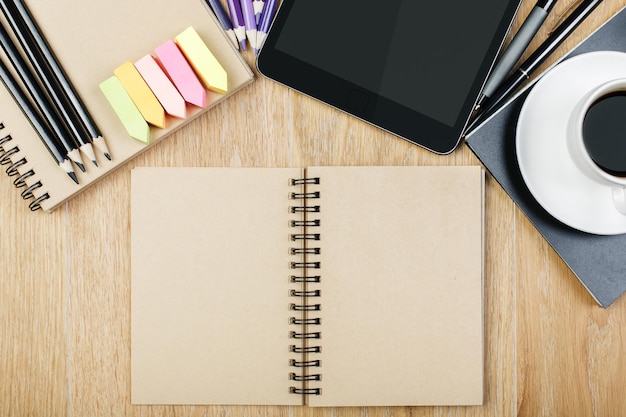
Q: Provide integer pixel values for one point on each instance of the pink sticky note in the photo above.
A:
(181, 73)
(161, 86)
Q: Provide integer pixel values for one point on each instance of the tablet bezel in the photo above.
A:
(367, 105)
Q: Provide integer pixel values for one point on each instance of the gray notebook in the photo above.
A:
(599, 262)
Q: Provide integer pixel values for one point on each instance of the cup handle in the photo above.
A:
(619, 199)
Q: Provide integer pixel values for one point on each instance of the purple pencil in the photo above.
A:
(224, 20)
(257, 5)
(265, 22)
(236, 17)
(249, 22)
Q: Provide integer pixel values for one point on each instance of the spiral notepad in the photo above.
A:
(325, 286)
(87, 46)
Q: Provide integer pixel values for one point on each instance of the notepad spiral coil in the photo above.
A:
(306, 290)
(7, 158)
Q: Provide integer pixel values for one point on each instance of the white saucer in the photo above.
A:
(544, 160)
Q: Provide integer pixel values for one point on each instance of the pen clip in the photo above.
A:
(564, 15)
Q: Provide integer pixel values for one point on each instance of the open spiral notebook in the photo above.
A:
(326, 286)
(91, 39)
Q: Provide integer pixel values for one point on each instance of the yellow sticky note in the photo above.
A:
(125, 109)
(140, 93)
(202, 60)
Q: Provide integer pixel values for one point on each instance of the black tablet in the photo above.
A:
(412, 67)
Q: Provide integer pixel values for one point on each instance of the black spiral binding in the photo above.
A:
(13, 169)
(308, 340)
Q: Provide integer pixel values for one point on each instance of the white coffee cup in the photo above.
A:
(579, 152)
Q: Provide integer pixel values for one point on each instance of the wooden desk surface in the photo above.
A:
(65, 277)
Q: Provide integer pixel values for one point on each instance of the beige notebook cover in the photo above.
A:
(91, 39)
(372, 297)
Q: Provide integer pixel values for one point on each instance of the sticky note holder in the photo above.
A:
(142, 93)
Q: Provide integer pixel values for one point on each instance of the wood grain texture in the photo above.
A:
(65, 277)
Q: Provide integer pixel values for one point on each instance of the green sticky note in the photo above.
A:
(125, 109)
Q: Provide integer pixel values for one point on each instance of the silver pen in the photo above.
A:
(516, 48)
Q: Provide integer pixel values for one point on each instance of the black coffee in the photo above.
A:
(604, 133)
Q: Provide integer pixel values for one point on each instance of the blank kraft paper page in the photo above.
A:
(210, 289)
(401, 268)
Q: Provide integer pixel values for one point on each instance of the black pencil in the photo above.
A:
(40, 43)
(60, 101)
(39, 97)
(42, 129)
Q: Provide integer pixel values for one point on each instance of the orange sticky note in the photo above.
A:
(161, 86)
(181, 73)
(140, 93)
(202, 60)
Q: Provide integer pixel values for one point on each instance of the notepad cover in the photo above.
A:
(91, 39)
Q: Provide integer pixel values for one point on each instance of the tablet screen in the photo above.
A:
(422, 59)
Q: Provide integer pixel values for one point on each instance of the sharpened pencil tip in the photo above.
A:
(100, 143)
(73, 176)
(80, 166)
(87, 149)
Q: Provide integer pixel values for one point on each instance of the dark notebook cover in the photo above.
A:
(598, 261)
